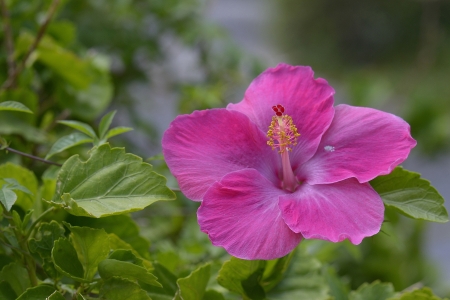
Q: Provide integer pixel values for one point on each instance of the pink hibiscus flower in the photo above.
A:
(283, 164)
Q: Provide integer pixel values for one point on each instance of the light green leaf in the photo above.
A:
(38, 292)
(411, 195)
(374, 291)
(92, 246)
(7, 197)
(80, 126)
(110, 182)
(14, 185)
(68, 141)
(116, 243)
(121, 225)
(120, 289)
(105, 123)
(25, 178)
(275, 270)
(419, 294)
(109, 268)
(194, 285)
(117, 130)
(16, 276)
(66, 261)
(14, 106)
(242, 277)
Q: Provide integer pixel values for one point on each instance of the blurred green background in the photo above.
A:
(154, 59)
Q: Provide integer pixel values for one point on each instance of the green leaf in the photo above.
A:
(419, 294)
(168, 281)
(213, 295)
(6, 292)
(14, 185)
(38, 292)
(110, 182)
(337, 288)
(7, 197)
(275, 271)
(66, 261)
(25, 178)
(121, 289)
(49, 233)
(123, 226)
(109, 268)
(239, 276)
(80, 126)
(302, 280)
(411, 195)
(68, 141)
(92, 246)
(105, 123)
(374, 291)
(14, 106)
(57, 296)
(194, 285)
(117, 130)
(16, 276)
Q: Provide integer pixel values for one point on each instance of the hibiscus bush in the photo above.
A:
(288, 190)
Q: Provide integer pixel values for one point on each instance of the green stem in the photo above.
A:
(28, 260)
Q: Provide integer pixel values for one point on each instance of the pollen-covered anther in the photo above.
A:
(282, 132)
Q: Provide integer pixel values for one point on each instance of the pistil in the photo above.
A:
(283, 135)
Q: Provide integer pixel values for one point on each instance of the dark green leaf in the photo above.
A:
(92, 246)
(105, 123)
(57, 296)
(121, 289)
(6, 292)
(275, 270)
(68, 141)
(167, 280)
(337, 288)
(14, 106)
(111, 267)
(213, 295)
(48, 233)
(194, 285)
(374, 291)
(411, 195)
(80, 126)
(38, 292)
(66, 261)
(16, 276)
(110, 182)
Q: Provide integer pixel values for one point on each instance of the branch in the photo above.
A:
(13, 76)
(9, 44)
(32, 156)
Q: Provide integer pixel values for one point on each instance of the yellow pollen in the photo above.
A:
(282, 133)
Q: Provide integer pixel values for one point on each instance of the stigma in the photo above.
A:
(282, 132)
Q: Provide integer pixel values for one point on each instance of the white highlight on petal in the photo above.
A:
(329, 148)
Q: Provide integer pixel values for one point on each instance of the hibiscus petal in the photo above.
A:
(334, 212)
(202, 147)
(362, 143)
(307, 100)
(241, 214)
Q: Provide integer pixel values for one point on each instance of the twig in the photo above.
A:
(9, 44)
(32, 157)
(13, 76)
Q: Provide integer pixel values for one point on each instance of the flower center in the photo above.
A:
(283, 135)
